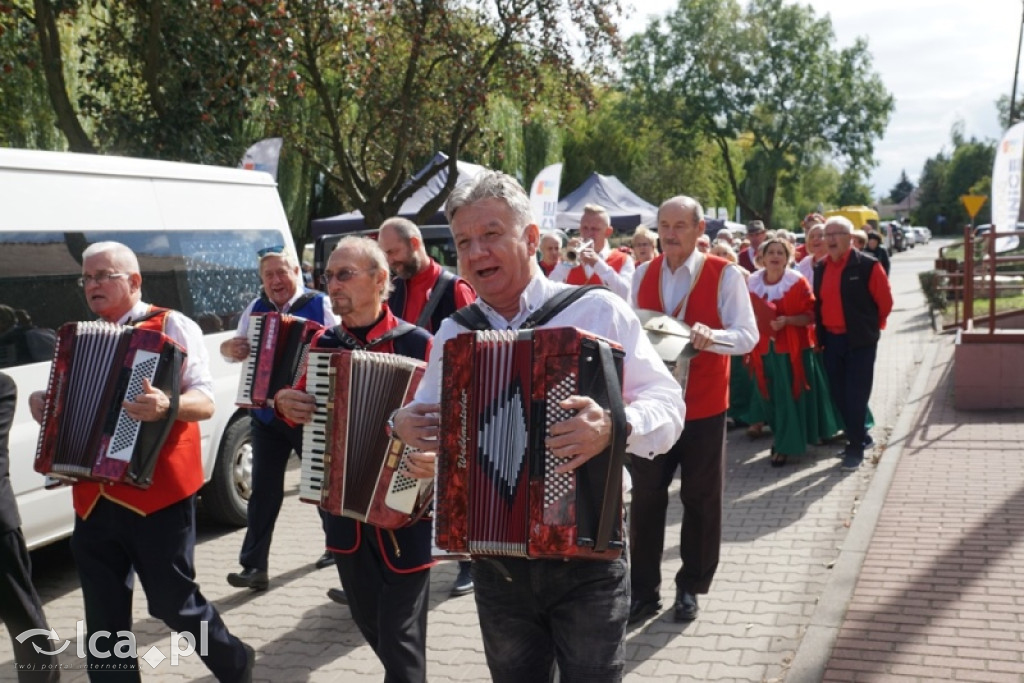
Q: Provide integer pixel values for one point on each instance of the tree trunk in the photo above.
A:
(53, 68)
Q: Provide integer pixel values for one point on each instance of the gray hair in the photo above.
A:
(841, 221)
(492, 185)
(554, 235)
(370, 251)
(687, 202)
(404, 228)
(121, 254)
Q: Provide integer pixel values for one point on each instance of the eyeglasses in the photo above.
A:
(99, 278)
(342, 275)
(266, 251)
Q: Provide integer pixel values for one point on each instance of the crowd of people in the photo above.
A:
(778, 337)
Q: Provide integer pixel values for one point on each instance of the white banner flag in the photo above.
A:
(1006, 186)
(544, 197)
(263, 156)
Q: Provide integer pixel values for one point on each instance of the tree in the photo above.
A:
(902, 189)
(162, 79)
(853, 191)
(768, 77)
(392, 83)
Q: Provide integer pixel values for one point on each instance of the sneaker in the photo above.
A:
(851, 463)
(463, 582)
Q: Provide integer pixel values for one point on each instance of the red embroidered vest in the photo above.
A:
(178, 473)
(707, 389)
(578, 275)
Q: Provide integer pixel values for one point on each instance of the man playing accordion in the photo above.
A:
(385, 573)
(535, 612)
(121, 530)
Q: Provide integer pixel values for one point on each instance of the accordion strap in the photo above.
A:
(611, 501)
(472, 316)
(444, 282)
(349, 341)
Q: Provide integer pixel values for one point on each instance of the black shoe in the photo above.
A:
(686, 607)
(642, 609)
(338, 595)
(253, 579)
(326, 560)
(463, 582)
(851, 463)
(250, 663)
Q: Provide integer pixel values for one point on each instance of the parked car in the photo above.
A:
(922, 235)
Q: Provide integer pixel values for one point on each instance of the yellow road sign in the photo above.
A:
(973, 203)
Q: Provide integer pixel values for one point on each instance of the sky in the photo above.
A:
(942, 60)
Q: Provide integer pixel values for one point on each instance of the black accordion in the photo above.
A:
(85, 433)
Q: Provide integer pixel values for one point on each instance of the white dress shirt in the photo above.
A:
(734, 307)
(195, 373)
(618, 282)
(654, 400)
(806, 268)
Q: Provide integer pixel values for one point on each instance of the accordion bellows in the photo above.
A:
(350, 466)
(497, 490)
(85, 433)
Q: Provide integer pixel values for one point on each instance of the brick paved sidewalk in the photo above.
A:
(940, 594)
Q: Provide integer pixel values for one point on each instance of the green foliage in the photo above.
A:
(392, 83)
(853, 190)
(945, 178)
(780, 86)
(930, 281)
(902, 189)
(26, 117)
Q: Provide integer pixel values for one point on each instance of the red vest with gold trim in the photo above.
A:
(707, 389)
(578, 275)
(178, 473)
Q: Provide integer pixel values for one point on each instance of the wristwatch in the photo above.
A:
(389, 426)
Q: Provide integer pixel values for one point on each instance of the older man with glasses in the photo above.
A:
(272, 440)
(852, 302)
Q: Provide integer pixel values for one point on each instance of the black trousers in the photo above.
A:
(110, 547)
(272, 446)
(699, 454)
(851, 375)
(21, 610)
(389, 608)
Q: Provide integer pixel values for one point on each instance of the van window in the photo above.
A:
(208, 276)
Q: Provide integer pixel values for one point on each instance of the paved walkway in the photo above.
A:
(904, 570)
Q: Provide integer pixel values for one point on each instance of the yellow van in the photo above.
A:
(858, 215)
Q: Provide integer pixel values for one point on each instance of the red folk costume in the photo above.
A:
(707, 388)
(179, 467)
(790, 296)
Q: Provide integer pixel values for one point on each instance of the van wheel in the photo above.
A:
(226, 495)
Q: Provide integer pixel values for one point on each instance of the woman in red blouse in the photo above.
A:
(785, 367)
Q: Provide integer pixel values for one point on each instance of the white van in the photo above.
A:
(196, 230)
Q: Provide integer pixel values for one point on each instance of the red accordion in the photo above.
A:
(278, 344)
(498, 492)
(350, 466)
(85, 433)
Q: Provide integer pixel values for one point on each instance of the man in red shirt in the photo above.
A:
(599, 263)
(852, 302)
(424, 294)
